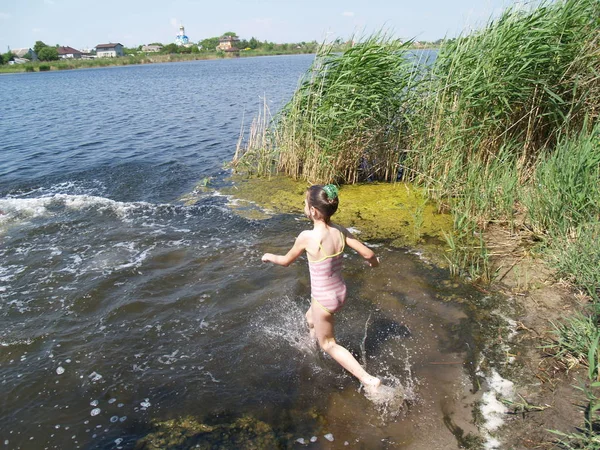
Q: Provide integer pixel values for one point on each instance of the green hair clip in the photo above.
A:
(331, 191)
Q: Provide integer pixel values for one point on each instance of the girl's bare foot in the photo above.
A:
(371, 384)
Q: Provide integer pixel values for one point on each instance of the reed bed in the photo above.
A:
(502, 122)
(347, 119)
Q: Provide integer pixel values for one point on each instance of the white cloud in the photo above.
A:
(49, 2)
(37, 30)
(174, 23)
(5, 15)
(348, 14)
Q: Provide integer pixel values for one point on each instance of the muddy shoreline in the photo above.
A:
(545, 397)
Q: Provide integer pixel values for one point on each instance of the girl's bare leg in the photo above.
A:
(309, 321)
(323, 326)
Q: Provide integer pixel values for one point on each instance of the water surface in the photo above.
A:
(120, 305)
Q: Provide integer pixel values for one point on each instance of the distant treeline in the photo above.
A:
(208, 46)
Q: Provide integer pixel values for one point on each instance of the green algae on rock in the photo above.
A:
(397, 212)
(245, 433)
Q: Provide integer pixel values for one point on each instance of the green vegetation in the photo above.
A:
(48, 54)
(480, 129)
(503, 127)
(64, 64)
(376, 209)
(576, 341)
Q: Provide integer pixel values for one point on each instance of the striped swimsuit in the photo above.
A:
(326, 283)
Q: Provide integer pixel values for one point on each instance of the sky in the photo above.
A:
(83, 24)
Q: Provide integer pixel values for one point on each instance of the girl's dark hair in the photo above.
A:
(318, 199)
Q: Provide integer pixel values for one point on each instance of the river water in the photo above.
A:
(122, 306)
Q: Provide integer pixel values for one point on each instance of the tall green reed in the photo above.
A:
(476, 128)
(347, 120)
(563, 203)
(521, 80)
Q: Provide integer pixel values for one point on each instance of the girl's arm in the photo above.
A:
(361, 248)
(290, 256)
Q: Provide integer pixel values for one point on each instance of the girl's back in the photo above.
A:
(325, 242)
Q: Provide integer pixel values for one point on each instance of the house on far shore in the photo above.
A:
(151, 48)
(68, 53)
(109, 50)
(227, 44)
(25, 53)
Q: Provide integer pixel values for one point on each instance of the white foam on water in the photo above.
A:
(492, 409)
(12, 208)
(17, 342)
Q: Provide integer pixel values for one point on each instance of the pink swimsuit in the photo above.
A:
(327, 285)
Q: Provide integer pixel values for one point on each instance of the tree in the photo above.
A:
(5, 58)
(130, 51)
(253, 43)
(48, 54)
(230, 33)
(170, 48)
(209, 43)
(38, 46)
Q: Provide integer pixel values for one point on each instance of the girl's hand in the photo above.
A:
(266, 257)
(373, 262)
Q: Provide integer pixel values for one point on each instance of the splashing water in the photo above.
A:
(392, 395)
(285, 320)
(388, 398)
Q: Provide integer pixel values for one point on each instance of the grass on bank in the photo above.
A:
(575, 341)
(69, 64)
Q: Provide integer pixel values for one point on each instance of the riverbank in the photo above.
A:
(70, 64)
(547, 396)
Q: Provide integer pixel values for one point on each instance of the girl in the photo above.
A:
(324, 245)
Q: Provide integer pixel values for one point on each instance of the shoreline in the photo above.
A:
(75, 64)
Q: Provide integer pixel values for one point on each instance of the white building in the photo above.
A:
(109, 50)
(151, 48)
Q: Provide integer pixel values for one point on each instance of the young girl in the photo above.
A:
(324, 245)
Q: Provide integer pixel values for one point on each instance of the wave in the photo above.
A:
(18, 209)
